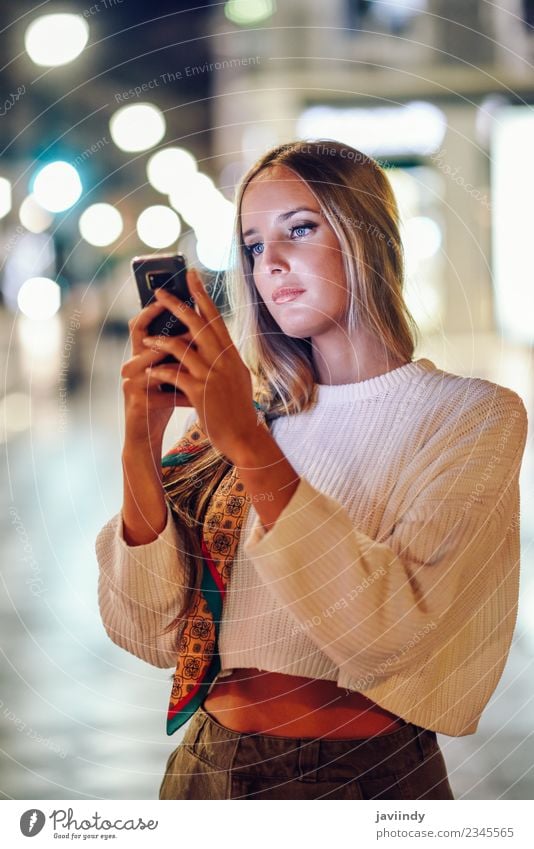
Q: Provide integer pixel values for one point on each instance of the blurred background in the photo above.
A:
(124, 127)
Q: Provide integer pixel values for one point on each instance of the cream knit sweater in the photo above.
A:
(393, 569)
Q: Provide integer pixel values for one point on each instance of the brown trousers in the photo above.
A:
(214, 762)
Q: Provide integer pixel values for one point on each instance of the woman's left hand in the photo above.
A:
(209, 371)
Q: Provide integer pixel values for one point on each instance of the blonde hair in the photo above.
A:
(356, 198)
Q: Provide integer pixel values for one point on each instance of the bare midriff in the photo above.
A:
(255, 701)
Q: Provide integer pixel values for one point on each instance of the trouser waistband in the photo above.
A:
(275, 756)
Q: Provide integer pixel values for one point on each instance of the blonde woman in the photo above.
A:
(355, 508)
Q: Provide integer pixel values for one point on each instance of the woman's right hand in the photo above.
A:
(147, 408)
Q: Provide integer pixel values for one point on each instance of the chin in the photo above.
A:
(295, 332)
(302, 330)
(297, 335)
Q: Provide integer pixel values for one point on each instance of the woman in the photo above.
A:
(363, 531)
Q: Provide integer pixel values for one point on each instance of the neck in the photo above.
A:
(341, 359)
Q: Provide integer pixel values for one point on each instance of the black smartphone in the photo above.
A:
(162, 271)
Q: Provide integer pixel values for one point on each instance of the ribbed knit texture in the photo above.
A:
(393, 569)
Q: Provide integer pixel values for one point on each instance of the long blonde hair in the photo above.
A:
(357, 200)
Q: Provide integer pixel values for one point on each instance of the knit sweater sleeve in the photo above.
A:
(141, 588)
(379, 606)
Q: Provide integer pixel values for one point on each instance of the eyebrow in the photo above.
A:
(283, 217)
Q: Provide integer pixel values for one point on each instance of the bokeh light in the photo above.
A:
(249, 12)
(15, 414)
(100, 224)
(168, 168)
(158, 226)
(39, 298)
(214, 234)
(136, 127)
(57, 186)
(5, 197)
(417, 127)
(421, 237)
(53, 40)
(32, 215)
(194, 197)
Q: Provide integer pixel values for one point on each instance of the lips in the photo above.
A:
(286, 293)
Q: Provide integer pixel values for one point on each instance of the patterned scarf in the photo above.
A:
(198, 657)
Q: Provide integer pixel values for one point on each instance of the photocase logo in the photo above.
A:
(31, 822)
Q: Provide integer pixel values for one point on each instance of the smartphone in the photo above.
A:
(165, 271)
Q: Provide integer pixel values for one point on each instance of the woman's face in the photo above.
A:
(292, 245)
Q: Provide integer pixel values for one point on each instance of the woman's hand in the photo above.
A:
(212, 375)
(147, 409)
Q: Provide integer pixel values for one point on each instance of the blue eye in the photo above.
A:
(306, 225)
(250, 249)
(253, 250)
(302, 227)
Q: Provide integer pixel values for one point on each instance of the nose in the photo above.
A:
(273, 259)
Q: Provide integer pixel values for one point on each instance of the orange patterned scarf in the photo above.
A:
(198, 658)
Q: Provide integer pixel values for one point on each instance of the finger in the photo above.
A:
(187, 353)
(177, 377)
(170, 344)
(155, 398)
(145, 315)
(137, 364)
(140, 348)
(207, 306)
(196, 323)
(159, 341)
(138, 325)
